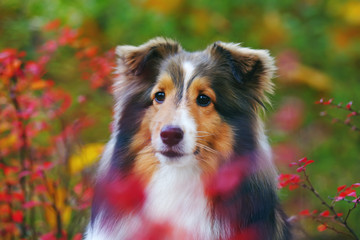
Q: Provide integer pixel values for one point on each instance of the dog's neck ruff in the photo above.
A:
(176, 196)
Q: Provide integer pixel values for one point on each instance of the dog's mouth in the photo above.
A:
(172, 154)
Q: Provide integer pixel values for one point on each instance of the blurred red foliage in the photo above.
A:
(32, 108)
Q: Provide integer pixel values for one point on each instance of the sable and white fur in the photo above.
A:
(215, 136)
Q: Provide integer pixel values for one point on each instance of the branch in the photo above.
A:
(311, 188)
(23, 149)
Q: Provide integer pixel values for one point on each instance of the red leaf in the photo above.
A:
(17, 216)
(291, 180)
(348, 192)
(78, 188)
(352, 114)
(355, 185)
(33, 68)
(18, 196)
(125, 194)
(305, 212)
(320, 101)
(328, 102)
(52, 25)
(156, 231)
(348, 106)
(325, 213)
(40, 189)
(352, 194)
(81, 99)
(321, 227)
(293, 164)
(226, 179)
(77, 236)
(24, 173)
(31, 204)
(293, 186)
(339, 214)
(300, 169)
(48, 236)
(303, 160)
(4, 197)
(48, 47)
(308, 162)
(51, 236)
(339, 189)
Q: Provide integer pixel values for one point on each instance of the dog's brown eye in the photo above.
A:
(160, 97)
(203, 100)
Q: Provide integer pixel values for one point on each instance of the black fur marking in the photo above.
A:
(122, 160)
(152, 53)
(128, 125)
(177, 76)
(252, 205)
(231, 61)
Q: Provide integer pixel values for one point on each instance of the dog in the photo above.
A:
(188, 157)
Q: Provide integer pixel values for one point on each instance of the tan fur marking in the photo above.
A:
(155, 118)
(145, 162)
(165, 84)
(213, 132)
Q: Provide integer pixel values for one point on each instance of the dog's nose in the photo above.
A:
(171, 135)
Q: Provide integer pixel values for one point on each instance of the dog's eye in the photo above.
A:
(203, 100)
(160, 97)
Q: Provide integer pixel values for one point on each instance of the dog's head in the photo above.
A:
(181, 108)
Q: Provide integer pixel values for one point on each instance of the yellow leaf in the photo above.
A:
(272, 30)
(51, 216)
(36, 85)
(201, 20)
(58, 196)
(292, 71)
(85, 157)
(4, 126)
(8, 141)
(162, 6)
(312, 77)
(351, 12)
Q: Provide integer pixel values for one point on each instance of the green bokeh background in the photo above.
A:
(324, 36)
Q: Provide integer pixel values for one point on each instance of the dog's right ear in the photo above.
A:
(144, 59)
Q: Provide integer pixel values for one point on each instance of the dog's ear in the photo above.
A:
(145, 58)
(251, 69)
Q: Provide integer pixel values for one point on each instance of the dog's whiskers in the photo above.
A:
(206, 148)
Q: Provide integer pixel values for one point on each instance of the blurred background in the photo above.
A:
(316, 44)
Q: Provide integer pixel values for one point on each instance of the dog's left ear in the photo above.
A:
(251, 69)
(144, 59)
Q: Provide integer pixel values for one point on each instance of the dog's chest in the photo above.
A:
(176, 196)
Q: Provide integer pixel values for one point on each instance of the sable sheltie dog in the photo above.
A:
(188, 157)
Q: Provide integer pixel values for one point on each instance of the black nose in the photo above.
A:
(171, 135)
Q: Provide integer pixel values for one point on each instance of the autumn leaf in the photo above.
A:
(325, 213)
(351, 12)
(162, 6)
(321, 227)
(292, 71)
(85, 157)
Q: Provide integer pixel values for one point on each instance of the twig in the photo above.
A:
(53, 205)
(344, 122)
(349, 109)
(311, 188)
(332, 228)
(23, 149)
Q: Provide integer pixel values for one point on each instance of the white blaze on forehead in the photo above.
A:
(183, 117)
(188, 69)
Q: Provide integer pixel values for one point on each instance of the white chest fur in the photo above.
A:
(175, 195)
